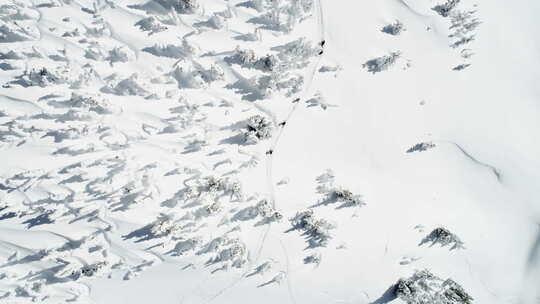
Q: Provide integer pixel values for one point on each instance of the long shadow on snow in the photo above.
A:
(388, 296)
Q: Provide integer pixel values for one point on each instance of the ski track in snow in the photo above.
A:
(269, 159)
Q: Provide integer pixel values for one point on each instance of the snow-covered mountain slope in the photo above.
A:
(285, 151)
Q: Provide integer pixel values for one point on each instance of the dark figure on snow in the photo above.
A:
(282, 124)
(323, 42)
(296, 100)
(269, 152)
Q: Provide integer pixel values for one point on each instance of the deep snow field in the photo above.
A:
(270, 151)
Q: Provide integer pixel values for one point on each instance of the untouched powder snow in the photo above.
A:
(269, 151)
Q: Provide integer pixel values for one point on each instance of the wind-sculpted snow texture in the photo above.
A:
(160, 151)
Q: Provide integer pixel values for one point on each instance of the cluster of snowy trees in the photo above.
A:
(279, 70)
(446, 8)
(283, 15)
(185, 6)
(42, 77)
(179, 6)
(229, 252)
(382, 63)
(187, 75)
(394, 29)
(443, 237)
(86, 102)
(463, 25)
(248, 59)
(150, 25)
(269, 214)
(164, 226)
(336, 194)
(424, 287)
(316, 230)
(220, 186)
(130, 86)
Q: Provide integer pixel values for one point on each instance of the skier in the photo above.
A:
(296, 100)
(282, 124)
(269, 152)
(322, 43)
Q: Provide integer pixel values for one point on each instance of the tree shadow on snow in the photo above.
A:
(244, 88)
(388, 296)
(142, 234)
(41, 219)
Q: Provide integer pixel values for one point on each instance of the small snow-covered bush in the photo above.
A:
(230, 251)
(220, 186)
(334, 194)
(214, 73)
(216, 21)
(290, 83)
(461, 67)
(258, 128)
(90, 270)
(346, 197)
(382, 63)
(462, 41)
(187, 76)
(151, 25)
(265, 86)
(90, 103)
(169, 50)
(267, 63)
(128, 87)
(394, 28)
(318, 100)
(296, 54)
(164, 226)
(94, 54)
(444, 9)
(163, 7)
(314, 258)
(237, 255)
(443, 237)
(248, 59)
(185, 245)
(328, 68)
(74, 33)
(119, 54)
(268, 212)
(262, 209)
(172, 51)
(284, 15)
(421, 147)
(186, 6)
(84, 78)
(98, 31)
(423, 287)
